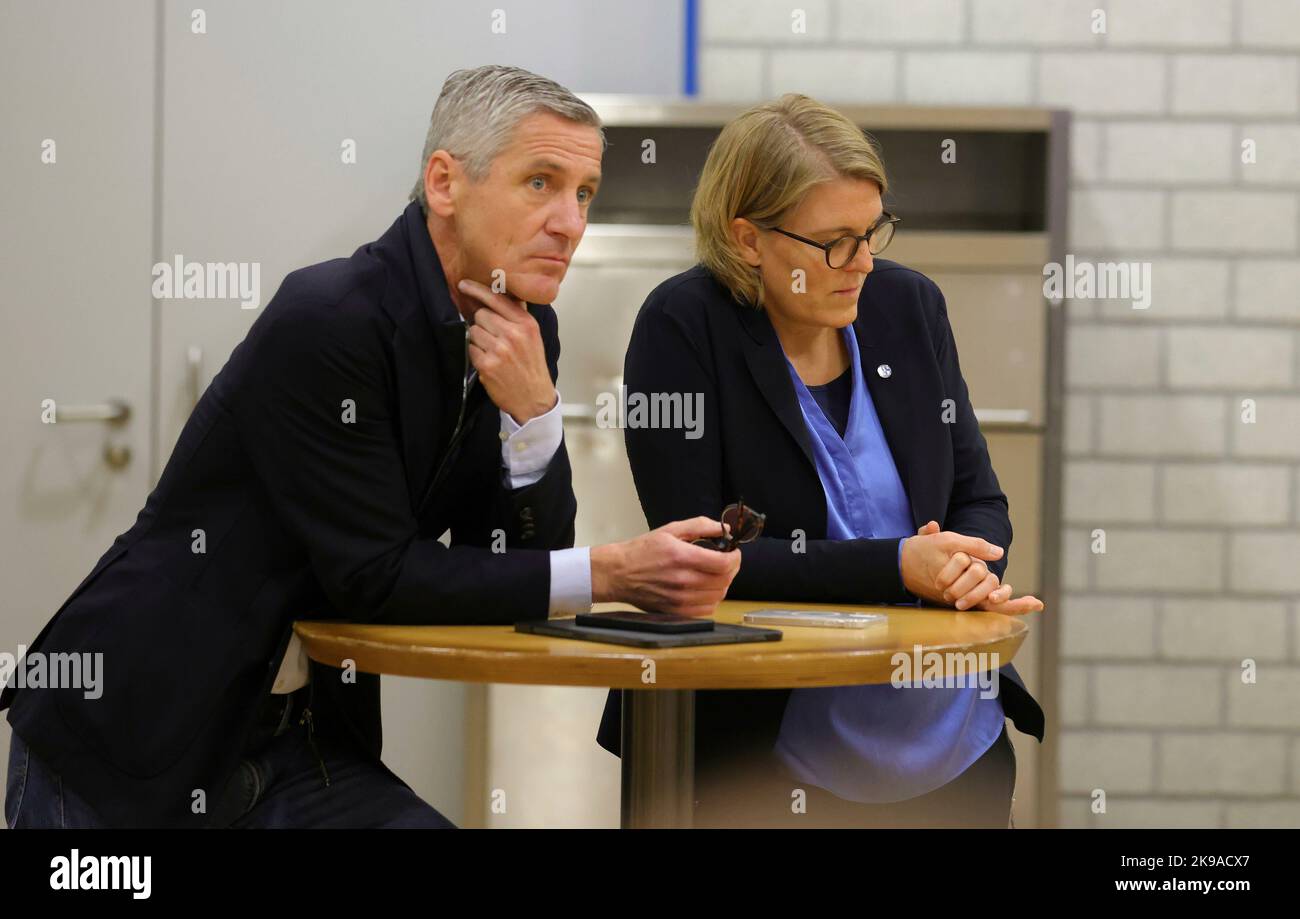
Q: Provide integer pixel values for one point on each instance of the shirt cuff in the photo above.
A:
(526, 450)
(570, 581)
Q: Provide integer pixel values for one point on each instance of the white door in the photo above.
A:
(76, 167)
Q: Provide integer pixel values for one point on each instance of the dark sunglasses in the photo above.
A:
(742, 525)
(841, 251)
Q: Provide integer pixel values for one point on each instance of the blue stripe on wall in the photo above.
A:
(690, 52)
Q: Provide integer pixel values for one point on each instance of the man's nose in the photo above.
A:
(567, 220)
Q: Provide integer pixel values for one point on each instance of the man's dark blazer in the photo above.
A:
(690, 336)
(306, 515)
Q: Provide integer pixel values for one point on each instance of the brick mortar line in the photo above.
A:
(1226, 593)
(1144, 731)
(1168, 89)
(1186, 185)
(1177, 526)
(1286, 119)
(1292, 638)
(1164, 389)
(1147, 663)
(1170, 797)
(1173, 462)
(1157, 624)
(977, 46)
(1140, 319)
(1181, 458)
(1234, 285)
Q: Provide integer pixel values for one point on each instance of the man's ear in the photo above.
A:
(442, 177)
(745, 235)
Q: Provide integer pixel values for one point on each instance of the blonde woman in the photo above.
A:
(824, 371)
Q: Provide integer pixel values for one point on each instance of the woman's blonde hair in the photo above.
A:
(761, 166)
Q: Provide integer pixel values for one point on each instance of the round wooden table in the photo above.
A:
(658, 742)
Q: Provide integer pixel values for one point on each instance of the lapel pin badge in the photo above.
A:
(885, 371)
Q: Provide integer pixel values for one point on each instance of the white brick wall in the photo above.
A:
(1078, 424)
(1169, 426)
(1201, 509)
(1277, 154)
(1266, 562)
(1211, 493)
(730, 74)
(1168, 560)
(1275, 432)
(1269, 289)
(1169, 696)
(1223, 629)
(1036, 23)
(1098, 492)
(966, 78)
(1268, 703)
(1222, 763)
(1170, 153)
(1114, 356)
(895, 22)
(1102, 82)
(835, 75)
(1218, 358)
(1150, 813)
(1169, 23)
(1270, 23)
(1085, 150)
(765, 21)
(1074, 694)
(1113, 761)
(1113, 219)
(1181, 288)
(1244, 221)
(1271, 814)
(1108, 627)
(1238, 85)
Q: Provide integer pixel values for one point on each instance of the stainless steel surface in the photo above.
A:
(619, 110)
(658, 758)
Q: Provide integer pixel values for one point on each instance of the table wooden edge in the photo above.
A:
(618, 666)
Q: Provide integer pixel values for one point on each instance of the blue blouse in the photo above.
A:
(875, 743)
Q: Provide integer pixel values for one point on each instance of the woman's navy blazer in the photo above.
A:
(692, 337)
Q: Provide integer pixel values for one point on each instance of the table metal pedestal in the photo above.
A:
(658, 753)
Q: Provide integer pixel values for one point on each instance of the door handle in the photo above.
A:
(113, 412)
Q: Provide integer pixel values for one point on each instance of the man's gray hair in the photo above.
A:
(479, 109)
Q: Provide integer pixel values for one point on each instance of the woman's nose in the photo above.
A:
(863, 260)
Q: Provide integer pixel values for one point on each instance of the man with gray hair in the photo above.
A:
(379, 402)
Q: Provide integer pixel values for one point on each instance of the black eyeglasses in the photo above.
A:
(841, 251)
(742, 525)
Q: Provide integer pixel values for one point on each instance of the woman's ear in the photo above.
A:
(745, 235)
(442, 175)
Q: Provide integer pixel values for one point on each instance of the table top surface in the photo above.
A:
(804, 657)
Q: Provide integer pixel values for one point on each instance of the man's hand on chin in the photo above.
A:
(505, 347)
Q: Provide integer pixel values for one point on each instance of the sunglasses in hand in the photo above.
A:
(741, 525)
